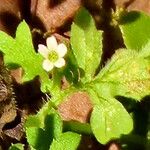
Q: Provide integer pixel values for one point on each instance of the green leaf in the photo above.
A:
(42, 129)
(33, 121)
(86, 43)
(129, 71)
(17, 146)
(77, 127)
(108, 116)
(107, 89)
(20, 52)
(109, 120)
(71, 71)
(67, 141)
(37, 138)
(135, 29)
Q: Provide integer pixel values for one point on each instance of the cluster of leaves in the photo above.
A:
(126, 74)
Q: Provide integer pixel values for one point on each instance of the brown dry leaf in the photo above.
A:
(16, 132)
(7, 100)
(139, 5)
(10, 15)
(8, 114)
(77, 107)
(53, 15)
(17, 74)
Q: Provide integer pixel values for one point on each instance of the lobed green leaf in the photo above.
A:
(20, 52)
(129, 70)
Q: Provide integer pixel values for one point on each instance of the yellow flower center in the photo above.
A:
(53, 56)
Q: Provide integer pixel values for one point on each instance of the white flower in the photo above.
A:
(53, 53)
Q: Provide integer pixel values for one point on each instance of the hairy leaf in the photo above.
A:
(86, 43)
(129, 70)
(20, 52)
(110, 120)
(41, 129)
(67, 141)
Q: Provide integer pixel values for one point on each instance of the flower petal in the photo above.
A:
(61, 50)
(42, 49)
(47, 65)
(51, 43)
(60, 63)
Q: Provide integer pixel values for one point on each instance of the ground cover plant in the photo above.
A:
(117, 91)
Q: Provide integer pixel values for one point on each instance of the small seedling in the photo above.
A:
(126, 74)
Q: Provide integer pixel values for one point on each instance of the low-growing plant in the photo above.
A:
(125, 75)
